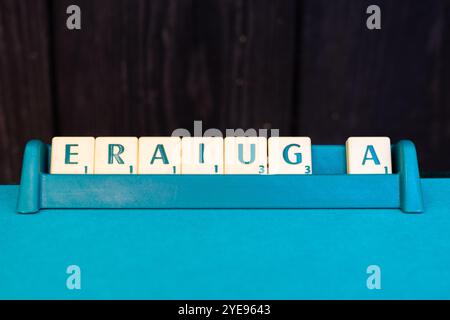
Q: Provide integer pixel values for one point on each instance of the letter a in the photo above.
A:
(374, 20)
(74, 280)
(374, 280)
(163, 156)
(74, 20)
(370, 150)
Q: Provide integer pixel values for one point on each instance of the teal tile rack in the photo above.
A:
(328, 187)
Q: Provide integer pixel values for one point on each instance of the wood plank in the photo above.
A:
(25, 98)
(148, 67)
(438, 157)
(354, 81)
(264, 83)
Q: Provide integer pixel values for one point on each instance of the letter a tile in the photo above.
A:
(368, 155)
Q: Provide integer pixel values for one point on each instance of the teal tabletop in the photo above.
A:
(227, 253)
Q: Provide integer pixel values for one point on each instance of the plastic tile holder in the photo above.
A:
(328, 187)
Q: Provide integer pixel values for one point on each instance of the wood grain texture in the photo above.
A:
(354, 81)
(148, 67)
(25, 97)
(141, 67)
(436, 144)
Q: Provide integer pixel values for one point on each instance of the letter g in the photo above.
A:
(298, 155)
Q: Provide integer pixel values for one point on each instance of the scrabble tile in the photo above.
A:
(245, 155)
(201, 155)
(368, 155)
(159, 155)
(72, 155)
(290, 155)
(116, 155)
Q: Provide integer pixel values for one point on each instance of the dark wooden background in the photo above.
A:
(146, 67)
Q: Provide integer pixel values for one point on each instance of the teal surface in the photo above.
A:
(228, 253)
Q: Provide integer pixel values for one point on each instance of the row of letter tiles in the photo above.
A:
(208, 155)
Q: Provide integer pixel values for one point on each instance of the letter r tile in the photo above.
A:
(116, 155)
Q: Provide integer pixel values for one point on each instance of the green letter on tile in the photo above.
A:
(241, 153)
(370, 150)
(298, 155)
(162, 156)
(69, 153)
(116, 156)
